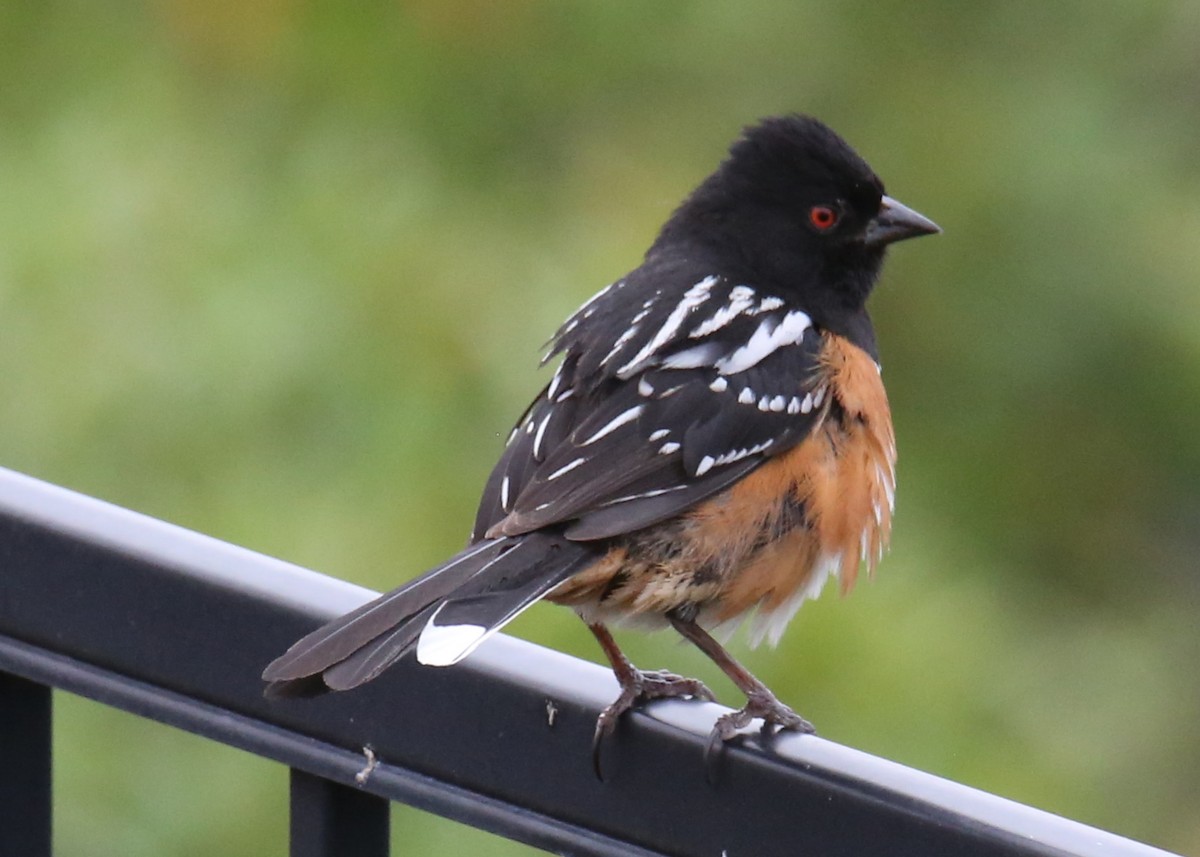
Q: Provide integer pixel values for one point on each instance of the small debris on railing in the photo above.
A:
(372, 763)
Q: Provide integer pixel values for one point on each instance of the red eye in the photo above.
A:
(823, 217)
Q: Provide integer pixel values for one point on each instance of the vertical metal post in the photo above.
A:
(331, 820)
(25, 731)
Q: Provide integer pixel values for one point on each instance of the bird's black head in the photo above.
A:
(794, 208)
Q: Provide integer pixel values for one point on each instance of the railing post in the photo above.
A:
(331, 820)
(25, 732)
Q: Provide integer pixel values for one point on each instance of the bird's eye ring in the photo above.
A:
(823, 217)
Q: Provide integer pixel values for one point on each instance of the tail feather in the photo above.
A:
(337, 640)
(378, 654)
(460, 624)
(457, 606)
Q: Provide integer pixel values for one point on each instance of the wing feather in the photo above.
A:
(697, 395)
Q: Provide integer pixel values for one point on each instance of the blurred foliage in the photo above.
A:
(279, 272)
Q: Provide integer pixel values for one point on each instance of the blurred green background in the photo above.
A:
(279, 272)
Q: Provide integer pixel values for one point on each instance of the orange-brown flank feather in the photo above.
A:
(768, 541)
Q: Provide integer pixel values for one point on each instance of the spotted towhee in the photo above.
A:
(714, 444)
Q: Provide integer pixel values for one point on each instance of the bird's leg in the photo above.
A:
(760, 702)
(636, 685)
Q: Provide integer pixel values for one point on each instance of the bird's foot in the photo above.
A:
(641, 686)
(760, 703)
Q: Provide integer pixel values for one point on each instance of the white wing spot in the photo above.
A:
(778, 403)
(793, 406)
(740, 300)
(705, 465)
(692, 298)
(620, 343)
(652, 493)
(541, 433)
(554, 382)
(738, 454)
(504, 494)
(766, 339)
(566, 468)
(746, 397)
(659, 434)
(645, 388)
(692, 358)
(614, 424)
(719, 385)
(588, 303)
(668, 448)
(807, 405)
(764, 404)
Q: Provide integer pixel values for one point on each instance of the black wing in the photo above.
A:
(657, 405)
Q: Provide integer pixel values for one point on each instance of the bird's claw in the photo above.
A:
(643, 686)
(763, 704)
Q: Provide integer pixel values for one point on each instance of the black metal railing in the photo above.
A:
(170, 625)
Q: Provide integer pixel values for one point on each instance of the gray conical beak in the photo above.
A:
(895, 222)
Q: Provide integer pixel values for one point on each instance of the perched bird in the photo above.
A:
(715, 442)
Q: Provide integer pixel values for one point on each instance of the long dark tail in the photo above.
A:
(446, 613)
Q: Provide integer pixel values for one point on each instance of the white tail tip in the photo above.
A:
(443, 645)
